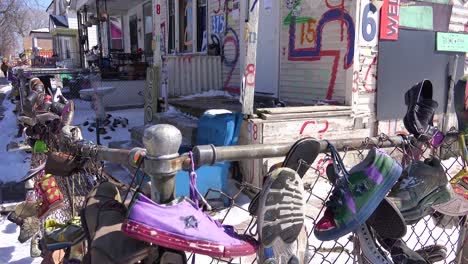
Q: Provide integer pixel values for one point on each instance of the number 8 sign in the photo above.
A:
(369, 26)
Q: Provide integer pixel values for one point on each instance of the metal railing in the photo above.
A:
(162, 162)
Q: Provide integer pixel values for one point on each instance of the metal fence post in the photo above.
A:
(162, 143)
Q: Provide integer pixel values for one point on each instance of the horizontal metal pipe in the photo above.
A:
(209, 154)
(120, 156)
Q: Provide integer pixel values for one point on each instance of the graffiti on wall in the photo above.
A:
(306, 34)
(231, 43)
(188, 33)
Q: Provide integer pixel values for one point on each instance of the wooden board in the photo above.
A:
(304, 115)
(303, 109)
(289, 130)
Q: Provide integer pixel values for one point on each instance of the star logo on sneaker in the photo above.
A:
(190, 222)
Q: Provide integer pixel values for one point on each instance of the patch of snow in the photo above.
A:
(174, 112)
(12, 164)
(6, 89)
(217, 112)
(210, 93)
(12, 251)
(84, 112)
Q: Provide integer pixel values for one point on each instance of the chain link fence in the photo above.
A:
(431, 230)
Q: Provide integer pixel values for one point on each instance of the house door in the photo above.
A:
(133, 34)
(268, 51)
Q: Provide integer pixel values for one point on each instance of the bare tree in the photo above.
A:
(17, 19)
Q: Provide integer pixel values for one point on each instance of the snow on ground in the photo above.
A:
(84, 112)
(11, 251)
(210, 93)
(11, 164)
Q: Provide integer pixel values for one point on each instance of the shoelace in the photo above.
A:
(195, 195)
(337, 196)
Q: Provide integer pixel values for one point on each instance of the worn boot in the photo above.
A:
(401, 253)
(421, 185)
(102, 220)
(421, 109)
(29, 227)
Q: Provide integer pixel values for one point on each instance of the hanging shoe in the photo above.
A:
(280, 215)
(294, 253)
(421, 109)
(26, 209)
(371, 252)
(61, 236)
(299, 158)
(102, 219)
(35, 251)
(51, 196)
(355, 196)
(422, 185)
(29, 227)
(386, 220)
(400, 252)
(433, 253)
(183, 227)
(14, 218)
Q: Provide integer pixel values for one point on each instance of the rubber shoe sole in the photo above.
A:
(281, 210)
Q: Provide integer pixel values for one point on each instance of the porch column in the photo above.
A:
(248, 76)
(157, 32)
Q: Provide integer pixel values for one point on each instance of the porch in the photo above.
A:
(124, 36)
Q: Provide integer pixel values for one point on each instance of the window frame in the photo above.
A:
(178, 31)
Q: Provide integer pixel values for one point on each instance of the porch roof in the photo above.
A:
(59, 21)
(113, 6)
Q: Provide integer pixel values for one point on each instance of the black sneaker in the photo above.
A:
(421, 109)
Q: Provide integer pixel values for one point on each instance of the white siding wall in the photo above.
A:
(459, 21)
(72, 19)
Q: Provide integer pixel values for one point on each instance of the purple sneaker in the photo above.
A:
(183, 227)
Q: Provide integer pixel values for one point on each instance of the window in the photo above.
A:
(185, 25)
(201, 24)
(133, 33)
(148, 26)
(115, 28)
(171, 37)
(182, 17)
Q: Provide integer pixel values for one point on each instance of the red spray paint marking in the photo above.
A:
(216, 11)
(323, 130)
(373, 63)
(355, 81)
(322, 166)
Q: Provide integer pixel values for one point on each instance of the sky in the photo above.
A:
(43, 3)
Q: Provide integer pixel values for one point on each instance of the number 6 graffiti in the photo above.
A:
(368, 21)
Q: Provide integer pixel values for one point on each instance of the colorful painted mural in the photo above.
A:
(317, 41)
